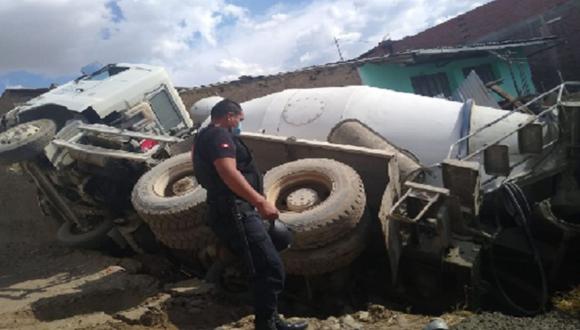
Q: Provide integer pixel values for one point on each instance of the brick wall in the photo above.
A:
(249, 88)
(12, 97)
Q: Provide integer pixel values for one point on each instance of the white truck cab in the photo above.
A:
(127, 97)
(110, 91)
(85, 143)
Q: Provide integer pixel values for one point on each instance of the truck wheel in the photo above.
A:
(25, 141)
(331, 257)
(168, 197)
(321, 200)
(70, 235)
(188, 239)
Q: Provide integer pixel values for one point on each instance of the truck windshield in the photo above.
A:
(106, 72)
(165, 110)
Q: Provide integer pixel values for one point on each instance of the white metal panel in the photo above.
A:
(201, 110)
(423, 125)
(311, 113)
(118, 92)
(265, 113)
(481, 116)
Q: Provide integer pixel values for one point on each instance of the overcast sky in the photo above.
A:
(200, 41)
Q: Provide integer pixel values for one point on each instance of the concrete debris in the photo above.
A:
(191, 287)
(363, 316)
(350, 323)
(150, 313)
(436, 324)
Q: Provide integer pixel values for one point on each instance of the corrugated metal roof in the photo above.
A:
(473, 88)
(475, 25)
(482, 47)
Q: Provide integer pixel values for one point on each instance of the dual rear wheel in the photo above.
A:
(323, 201)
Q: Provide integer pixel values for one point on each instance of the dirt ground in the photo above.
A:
(47, 286)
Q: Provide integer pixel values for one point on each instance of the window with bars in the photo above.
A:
(431, 85)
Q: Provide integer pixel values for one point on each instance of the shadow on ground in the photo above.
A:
(110, 294)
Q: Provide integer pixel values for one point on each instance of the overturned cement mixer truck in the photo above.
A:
(406, 195)
(464, 199)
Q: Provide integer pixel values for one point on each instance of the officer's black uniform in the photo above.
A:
(225, 208)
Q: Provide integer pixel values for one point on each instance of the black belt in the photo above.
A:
(242, 205)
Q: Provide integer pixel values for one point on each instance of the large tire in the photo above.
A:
(155, 200)
(25, 141)
(338, 186)
(190, 239)
(331, 257)
(69, 235)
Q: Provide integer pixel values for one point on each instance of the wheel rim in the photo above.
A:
(183, 186)
(302, 199)
(301, 192)
(18, 133)
(176, 182)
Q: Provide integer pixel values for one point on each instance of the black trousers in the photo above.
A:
(268, 269)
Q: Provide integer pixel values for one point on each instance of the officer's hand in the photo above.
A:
(267, 210)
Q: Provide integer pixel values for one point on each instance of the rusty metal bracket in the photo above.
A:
(104, 129)
(99, 155)
(426, 195)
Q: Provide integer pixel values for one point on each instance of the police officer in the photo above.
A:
(224, 166)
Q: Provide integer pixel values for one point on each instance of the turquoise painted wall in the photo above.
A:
(521, 72)
(398, 77)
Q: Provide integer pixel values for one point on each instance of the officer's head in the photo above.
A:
(227, 113)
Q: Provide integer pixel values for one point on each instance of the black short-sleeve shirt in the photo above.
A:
(217, 142)
(213, 143)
